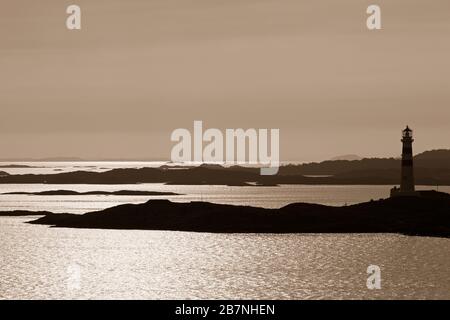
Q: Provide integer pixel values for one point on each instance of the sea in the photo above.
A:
(41, 262)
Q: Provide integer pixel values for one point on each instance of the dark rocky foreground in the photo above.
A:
(428, 215)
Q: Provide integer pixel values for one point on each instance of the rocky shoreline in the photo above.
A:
(425, 215)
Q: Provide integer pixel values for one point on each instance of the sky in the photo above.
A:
(139, 69)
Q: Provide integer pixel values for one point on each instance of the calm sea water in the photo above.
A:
(38, 262)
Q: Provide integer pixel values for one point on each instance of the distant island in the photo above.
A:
(49, 159)
(16, 166)
(90, 193)
(23, 213)
(424, 215)
(78, 159)
(431, 168)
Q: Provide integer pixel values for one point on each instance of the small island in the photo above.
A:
(425, 215)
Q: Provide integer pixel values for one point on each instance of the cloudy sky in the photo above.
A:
(139, 69)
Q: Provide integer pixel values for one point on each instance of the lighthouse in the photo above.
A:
(407, 171)
(407, 182)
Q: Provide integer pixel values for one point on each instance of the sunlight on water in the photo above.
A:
(37, 262)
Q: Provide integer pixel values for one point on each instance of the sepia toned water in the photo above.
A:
(39, 262)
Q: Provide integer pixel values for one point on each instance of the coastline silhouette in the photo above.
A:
(431, 168)
(407, 211)
(427, 215)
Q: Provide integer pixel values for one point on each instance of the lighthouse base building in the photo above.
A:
(407, 187)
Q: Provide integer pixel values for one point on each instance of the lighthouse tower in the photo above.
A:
(407, 182)
(407, 179)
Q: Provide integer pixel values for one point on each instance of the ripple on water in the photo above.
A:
(128, 264)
